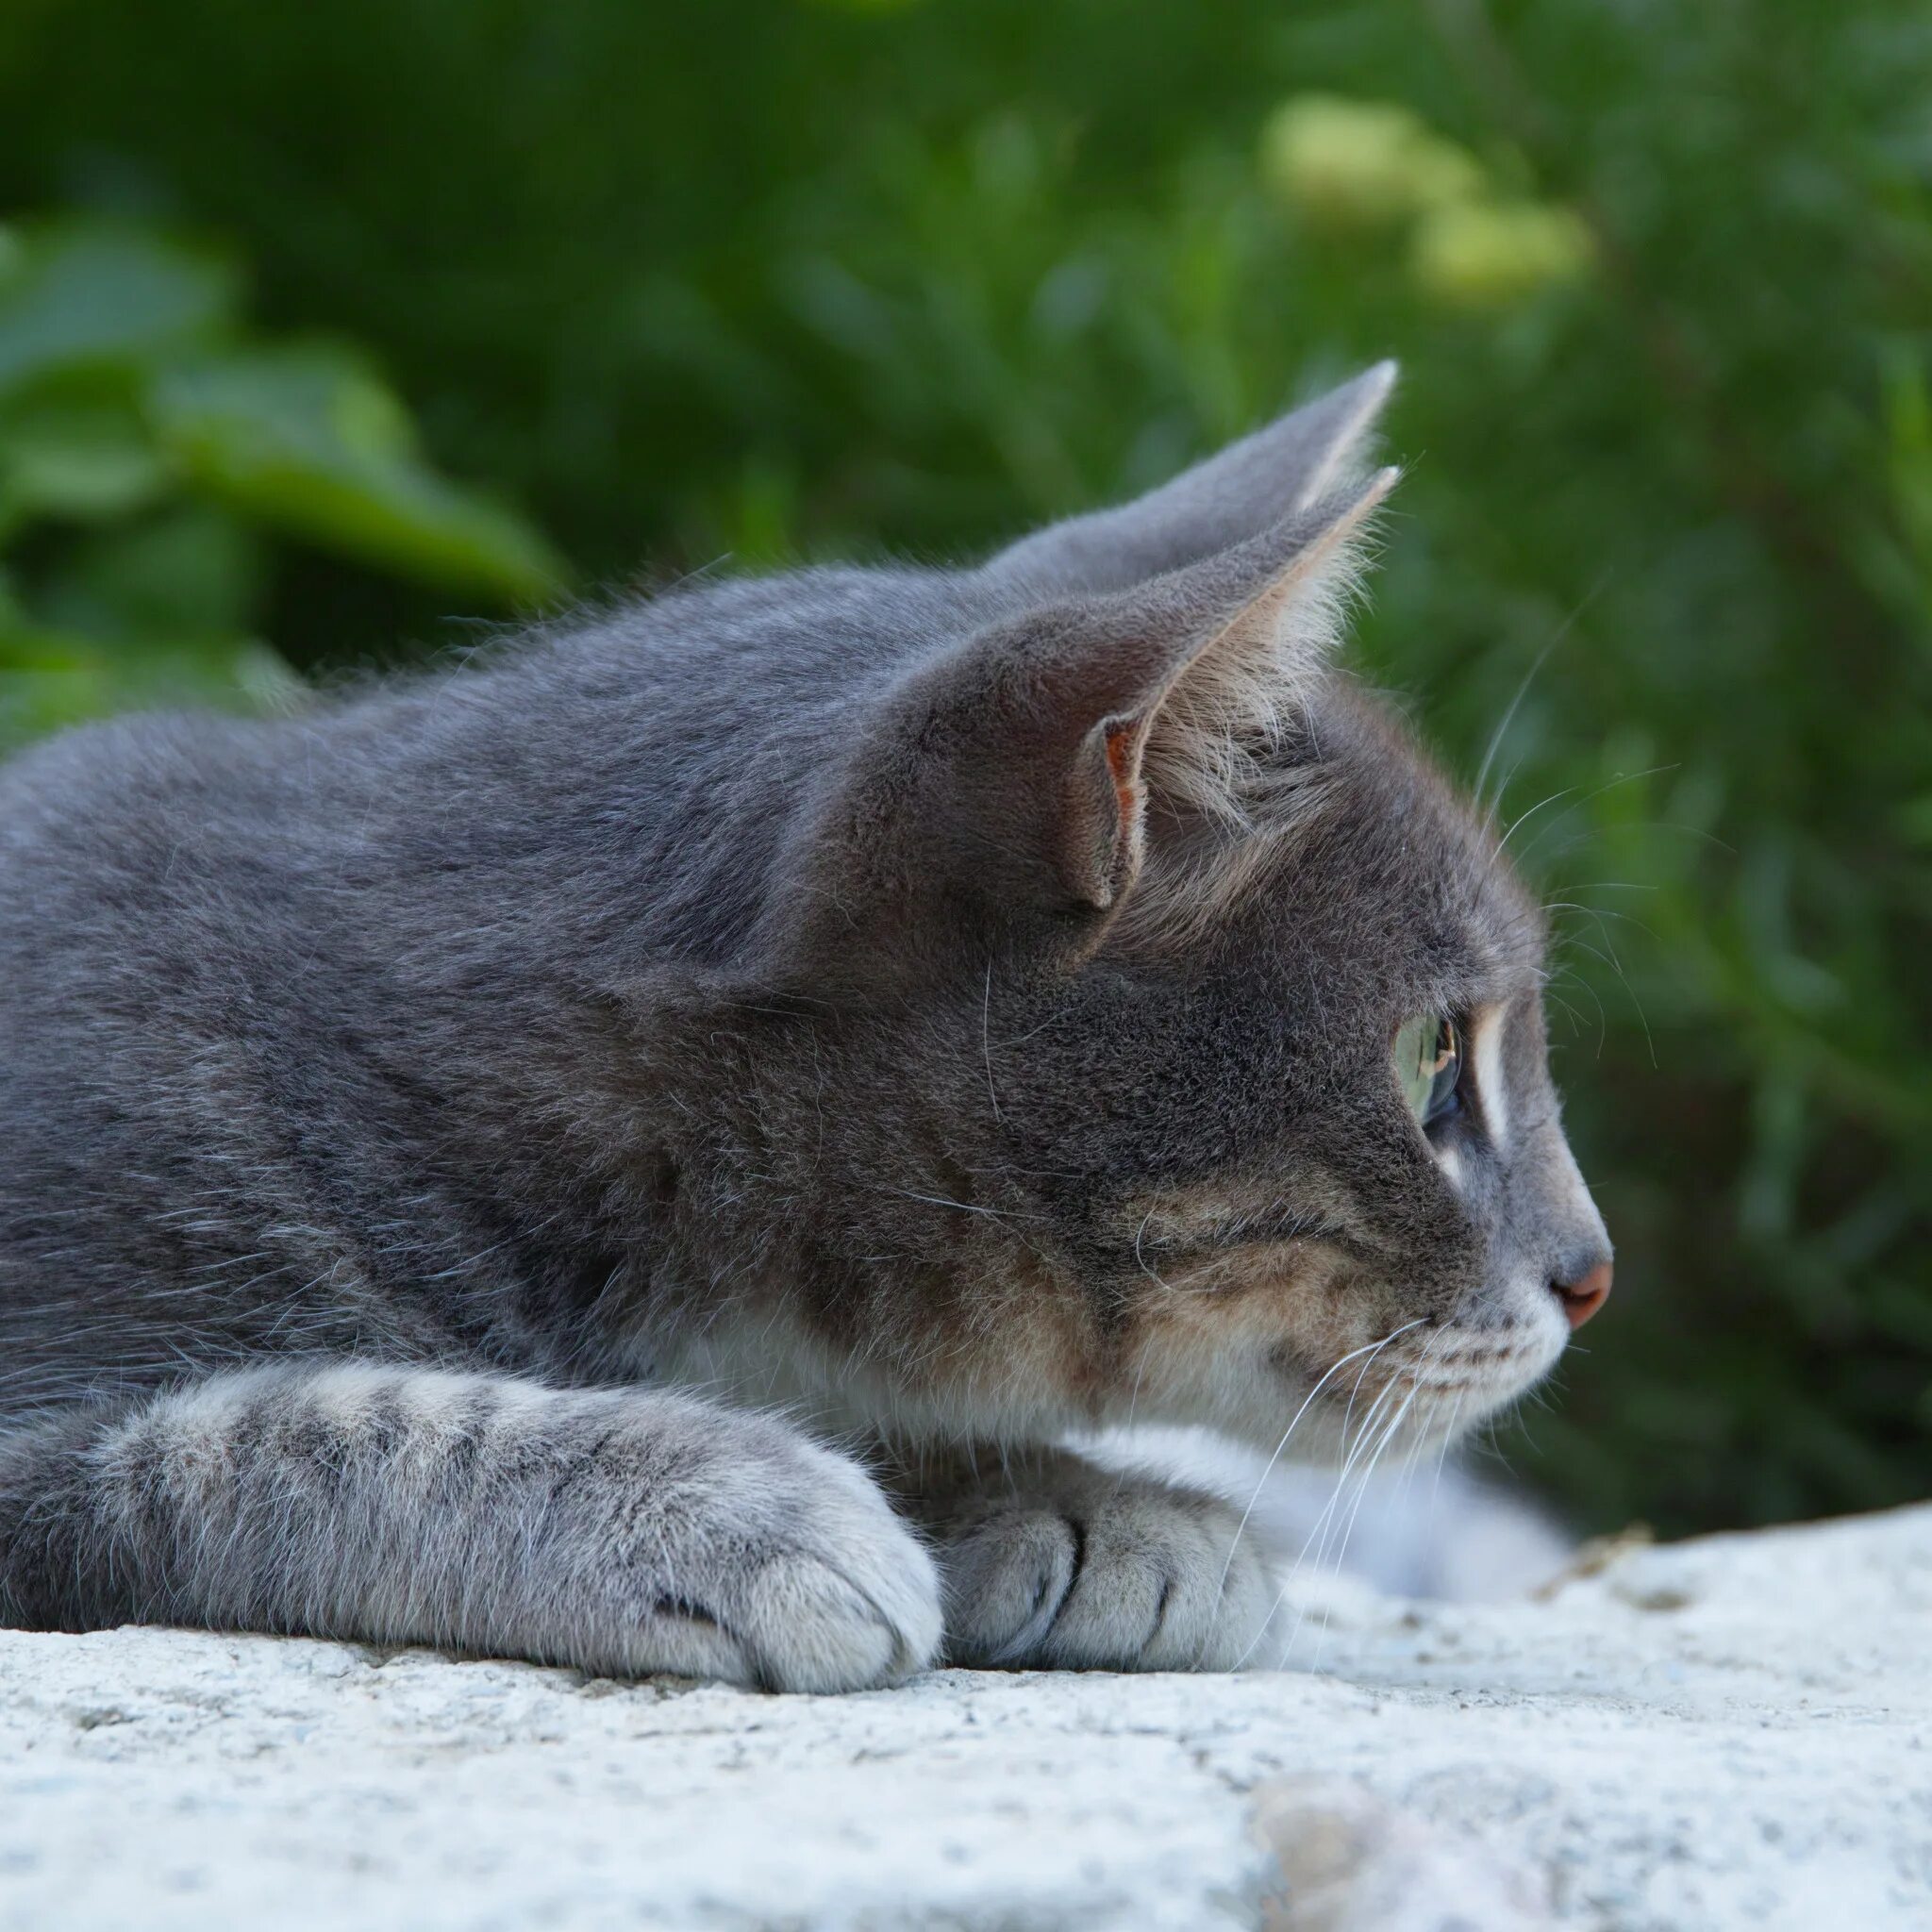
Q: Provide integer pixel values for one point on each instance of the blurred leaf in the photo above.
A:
(77, 455)
(145, 450)
(195, 568)
(51, 678)
(306, 437)
(81, 296)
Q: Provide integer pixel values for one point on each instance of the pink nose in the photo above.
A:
(1582, 1299)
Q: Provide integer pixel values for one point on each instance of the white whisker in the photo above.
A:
(1370, 1349)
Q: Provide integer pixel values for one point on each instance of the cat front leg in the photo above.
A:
(1049, 1562)
(626, 1532)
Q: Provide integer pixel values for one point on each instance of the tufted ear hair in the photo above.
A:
(1006, 781)
(1293, 463)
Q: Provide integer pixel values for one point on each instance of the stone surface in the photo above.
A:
(1718, 1734)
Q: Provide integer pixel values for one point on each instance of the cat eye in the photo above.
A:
(1428, 1063)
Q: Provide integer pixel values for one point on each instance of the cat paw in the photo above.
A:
(816, 1585)
(770, 1562)
(1076, 1569)
(847, 1600)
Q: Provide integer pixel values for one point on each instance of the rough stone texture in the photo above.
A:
(1719, 1733)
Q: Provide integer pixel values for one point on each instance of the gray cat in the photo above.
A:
(460, 1143)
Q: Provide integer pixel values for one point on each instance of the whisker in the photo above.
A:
(1322, 1523)
(986, 1041)
(1367, 1348)
(1487, 808)
(1325, 1523)
(1361, 1490)
(1589, 797)
(1529, 677)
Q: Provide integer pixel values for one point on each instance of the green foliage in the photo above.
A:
(148, 449)
(845, 276)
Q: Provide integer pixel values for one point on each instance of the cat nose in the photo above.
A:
(1584, 1296)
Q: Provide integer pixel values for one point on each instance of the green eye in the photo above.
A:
(1428, 1063)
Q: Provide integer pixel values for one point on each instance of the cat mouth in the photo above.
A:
(1428, 1378)
(1476, 1376)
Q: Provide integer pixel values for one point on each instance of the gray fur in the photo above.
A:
(622, 1531)
(1061, 1565)
(842, 990)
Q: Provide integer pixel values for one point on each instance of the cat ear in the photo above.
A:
(1287, 467)
(1007, 782)
(1225, 713)
(1192, 674)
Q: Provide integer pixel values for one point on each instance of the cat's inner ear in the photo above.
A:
(1287, 467)
(1237, 642)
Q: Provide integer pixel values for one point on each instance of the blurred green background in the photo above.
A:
(325, 333)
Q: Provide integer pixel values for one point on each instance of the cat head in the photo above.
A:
(1164, 1031)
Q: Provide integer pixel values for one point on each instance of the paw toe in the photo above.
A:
(1006, 1582)
(1139, 1579)
(810, 1629)
(853, 1606)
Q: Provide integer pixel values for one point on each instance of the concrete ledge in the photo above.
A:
(1723, 1733)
